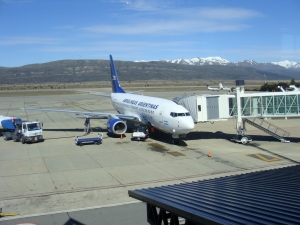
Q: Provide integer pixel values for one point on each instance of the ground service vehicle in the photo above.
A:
(18, 130)
(141, 133)
(97, 140)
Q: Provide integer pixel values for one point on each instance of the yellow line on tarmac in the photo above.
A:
(265, 159)
(7, 214)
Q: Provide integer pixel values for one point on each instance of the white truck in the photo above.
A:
(18, 130)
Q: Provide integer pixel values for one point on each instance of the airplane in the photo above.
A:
(212, 88)
(162, 114)
(230, 89)
(289, 89)
(292, 88)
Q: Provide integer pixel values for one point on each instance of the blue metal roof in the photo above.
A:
(264, 197)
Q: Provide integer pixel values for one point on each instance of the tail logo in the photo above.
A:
(114, 77)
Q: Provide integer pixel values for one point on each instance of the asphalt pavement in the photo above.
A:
(57, 182)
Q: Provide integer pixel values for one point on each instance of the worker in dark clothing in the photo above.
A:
(87, 125)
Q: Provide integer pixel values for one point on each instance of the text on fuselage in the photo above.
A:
(142, 104)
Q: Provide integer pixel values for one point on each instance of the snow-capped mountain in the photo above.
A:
(288, 64)
(221, 61)
(246, 63)
(201, 61)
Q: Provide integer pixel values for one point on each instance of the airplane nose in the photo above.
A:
(191, 125)
(188, 124)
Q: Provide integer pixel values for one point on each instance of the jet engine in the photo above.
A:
(116, 126)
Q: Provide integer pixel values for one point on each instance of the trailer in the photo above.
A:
(19, 130)
(96, 140)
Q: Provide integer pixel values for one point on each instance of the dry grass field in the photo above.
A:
(150, 86)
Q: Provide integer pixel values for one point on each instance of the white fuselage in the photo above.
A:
(160, 113)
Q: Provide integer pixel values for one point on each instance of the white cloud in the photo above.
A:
(166, 28)
(225, 13)
(16, 1)
(27, 41)
(117, 45)
(65, 27)
(64, 49)
(179, 21)
(145, 5)
(257, 53)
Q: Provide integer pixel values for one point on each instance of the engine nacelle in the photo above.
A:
(116, 126)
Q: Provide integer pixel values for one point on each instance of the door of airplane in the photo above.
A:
(161, 117)
(179, 118)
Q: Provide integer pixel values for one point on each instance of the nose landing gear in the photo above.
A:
(175, 139)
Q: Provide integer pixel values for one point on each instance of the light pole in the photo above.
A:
(265, 78)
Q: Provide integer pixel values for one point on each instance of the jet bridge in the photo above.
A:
(244, 107)
(266, 104)
(205, 108)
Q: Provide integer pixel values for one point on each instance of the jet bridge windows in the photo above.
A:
(264, 105)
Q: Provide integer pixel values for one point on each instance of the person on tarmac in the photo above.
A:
(87, 125)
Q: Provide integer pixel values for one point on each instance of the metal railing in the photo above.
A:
(271, 127)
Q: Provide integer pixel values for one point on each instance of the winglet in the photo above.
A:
(116, 88)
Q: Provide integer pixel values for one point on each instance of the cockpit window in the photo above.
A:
(173, 114)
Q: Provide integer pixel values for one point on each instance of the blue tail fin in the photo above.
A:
(116, 88)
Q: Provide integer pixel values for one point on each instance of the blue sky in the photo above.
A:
(38, 31)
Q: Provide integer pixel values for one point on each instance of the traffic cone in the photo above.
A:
(121, 136)
(209, 154)
(196, 132)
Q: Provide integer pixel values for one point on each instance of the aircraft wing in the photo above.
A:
(88, 113)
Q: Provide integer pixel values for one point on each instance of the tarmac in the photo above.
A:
(58, 179)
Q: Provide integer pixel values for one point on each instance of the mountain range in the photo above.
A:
(211, 68)
(223, 62)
